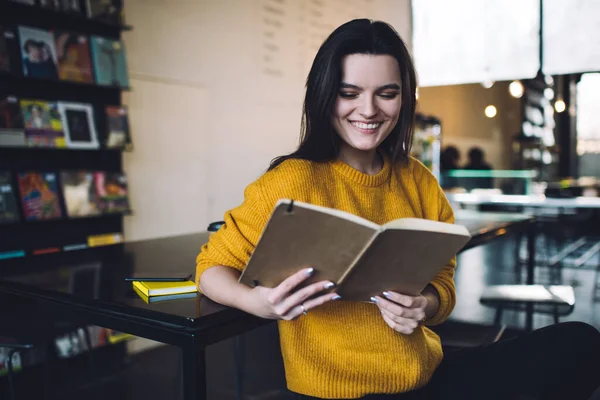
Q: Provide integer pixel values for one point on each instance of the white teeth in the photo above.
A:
(361, 125)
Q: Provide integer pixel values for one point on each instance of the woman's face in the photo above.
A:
(369, 102)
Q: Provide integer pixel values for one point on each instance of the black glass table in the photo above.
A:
(88, 287)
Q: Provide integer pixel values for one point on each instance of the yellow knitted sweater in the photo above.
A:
(344, 349)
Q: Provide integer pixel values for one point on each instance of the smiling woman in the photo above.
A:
(357, 128)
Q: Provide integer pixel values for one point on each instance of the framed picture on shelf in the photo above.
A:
(43, 125)
(10, 57)
(38, 53)
(12, 131)
(111, 192)
(78, 124)
(50, 4)
(118, 128)
(109, 60)
(39, 196)
(79, 193)
(73, 54)
(109, 11)
(8, 200)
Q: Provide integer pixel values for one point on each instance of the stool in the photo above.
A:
(556, 300)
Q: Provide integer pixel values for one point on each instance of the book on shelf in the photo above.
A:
(79, 193)
(156, 288)
(39, 195)
(110, 64)
(10, 56)
(74, 59)
(155, 299)
(8, 200)
(78, 125)
(362, 258)
(43, 124)
(12, 131)
(111, 192)
(117, 122)
(108, 11)
(38, 53)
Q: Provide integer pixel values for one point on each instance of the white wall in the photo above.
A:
(212, 103)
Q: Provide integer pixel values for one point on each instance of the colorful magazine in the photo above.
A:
(39, 196)
(111, 192)
(43, 124)
(73, 53)
(38, 53)
(10, 59)
(8, 200)
(110, 64)
(79, 193)
(12, 131)
(118, 128)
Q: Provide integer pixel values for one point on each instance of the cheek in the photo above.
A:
(343, 108)
(392, 109)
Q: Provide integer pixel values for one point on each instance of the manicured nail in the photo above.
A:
(374, 299)
(336, 297)
(387, 294)
(310, 271)
(329, 285)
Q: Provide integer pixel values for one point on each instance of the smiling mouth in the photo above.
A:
(366, 127)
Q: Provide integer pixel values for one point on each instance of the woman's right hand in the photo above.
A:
(282, 302)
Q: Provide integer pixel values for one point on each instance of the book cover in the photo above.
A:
(362, 258)
(50, 4)
(39, 195)
(8, 200)
(12, 131)
(74, 60)
(79, 193)
(150, 289)
(110, 64)
(71, 7)
(38, 53)
(117, 122)
(43, 125)
(109, 11)
(78, 124)
(111, 192)
(156, 299)
(10, 56)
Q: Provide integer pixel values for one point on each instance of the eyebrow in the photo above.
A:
(345, 85)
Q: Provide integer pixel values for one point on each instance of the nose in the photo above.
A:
(368, 108)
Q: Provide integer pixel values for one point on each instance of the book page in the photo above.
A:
(419, 224)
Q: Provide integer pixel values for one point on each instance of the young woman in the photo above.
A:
(356, 134)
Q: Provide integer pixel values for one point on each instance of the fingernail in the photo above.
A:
(336, 297)
(387, 294)
(374, 299)
(329, 285)
(310, 271)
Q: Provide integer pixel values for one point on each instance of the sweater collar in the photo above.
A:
(360, 177)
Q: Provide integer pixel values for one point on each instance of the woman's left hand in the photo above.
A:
(402, 313)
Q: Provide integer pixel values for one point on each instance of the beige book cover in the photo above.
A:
(362, 258)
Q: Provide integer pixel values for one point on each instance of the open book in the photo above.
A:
(362, 258)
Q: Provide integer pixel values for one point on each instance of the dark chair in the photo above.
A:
(557, 300)
(458, 335)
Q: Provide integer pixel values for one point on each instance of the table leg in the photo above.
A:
(194, 372)
(531, 236)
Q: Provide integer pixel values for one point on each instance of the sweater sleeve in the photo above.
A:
(444, 280)
(235, 241)
(437, 207)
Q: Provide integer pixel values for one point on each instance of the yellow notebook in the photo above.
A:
(164, 288)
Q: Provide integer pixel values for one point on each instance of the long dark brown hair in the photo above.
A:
(318, 139)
